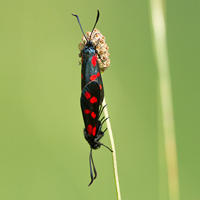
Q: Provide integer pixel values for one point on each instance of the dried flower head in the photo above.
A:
(102, 49)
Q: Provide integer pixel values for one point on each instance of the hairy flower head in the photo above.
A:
(102, 49)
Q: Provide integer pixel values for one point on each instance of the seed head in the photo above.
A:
(102, 49)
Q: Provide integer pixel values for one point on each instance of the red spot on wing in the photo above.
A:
(100, 86)
(94, 61)
(93, 77)
(98, 74)
(93, 100)
(93, 115)
(81, 75)
(87, 95)
(89, 129)
(86, 111)
(94, 131)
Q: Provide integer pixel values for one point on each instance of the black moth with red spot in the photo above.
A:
(92, 97)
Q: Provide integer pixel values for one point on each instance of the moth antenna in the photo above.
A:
(95, 23)
(80, 25)
(95, 171)
(97, 43)
(91, 173)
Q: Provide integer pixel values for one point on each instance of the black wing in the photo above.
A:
(90, 100)
(91, 72)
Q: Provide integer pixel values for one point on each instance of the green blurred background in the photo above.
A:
(43, 154)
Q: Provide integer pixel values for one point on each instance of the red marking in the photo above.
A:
(87, 95)
(94, 131)
(93, 100)
(98, 74)
(94, 61)
(93, 77)
(89, 129)
(96, 56)
(86, 111)
(100, 87)
(81, 75)
(93, 115)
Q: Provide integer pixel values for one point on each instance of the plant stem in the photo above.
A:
(114, 151)
(159, 31)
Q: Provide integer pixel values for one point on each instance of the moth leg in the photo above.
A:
(104, 146)
(99, 137)
(101, 110)
(104, 121)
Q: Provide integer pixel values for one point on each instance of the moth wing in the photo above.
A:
(90, 100)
